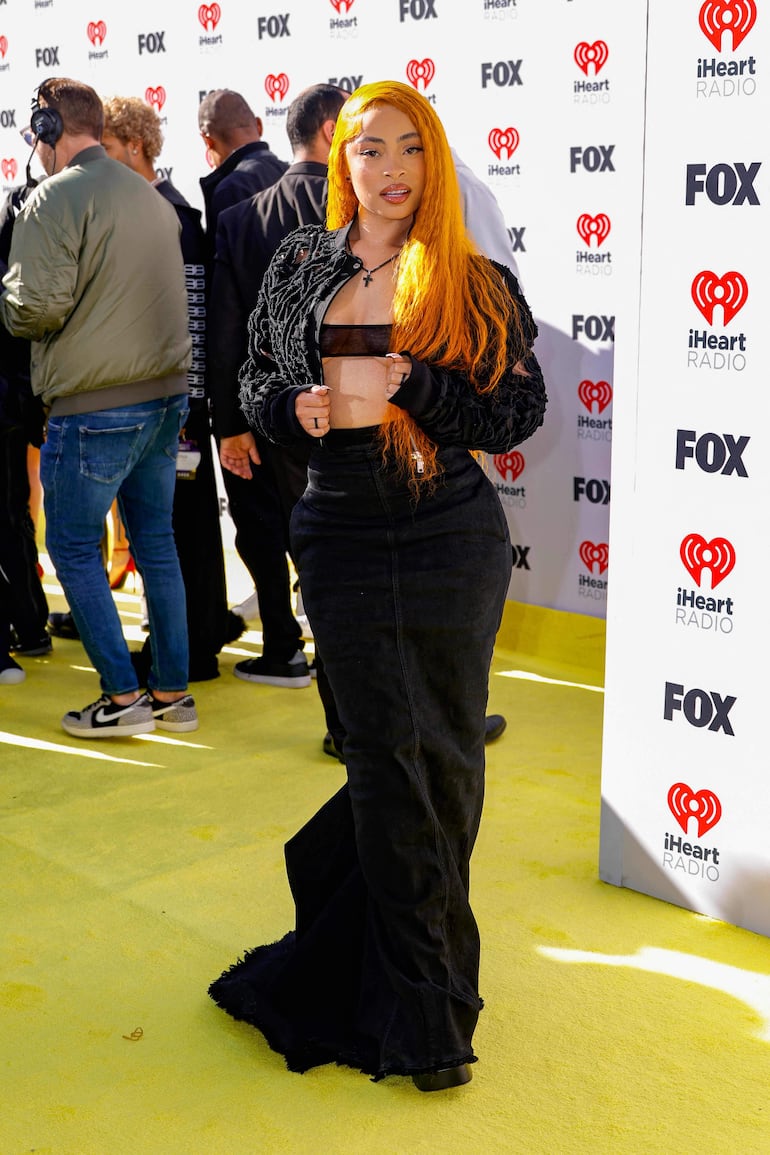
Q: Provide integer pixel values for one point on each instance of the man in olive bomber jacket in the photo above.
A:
(95, 281)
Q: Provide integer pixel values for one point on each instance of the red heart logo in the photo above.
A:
(277, 85)
(209, 16)
(156, 97)
(597, 393)
(717, 15)
(96, 32)
(597, 227)
(9, 168)
(588, 54)
(420, 70)
(509, 465)
(730, 291)
(686, 803)
(502, 140)
(716, 555)
(592, 554)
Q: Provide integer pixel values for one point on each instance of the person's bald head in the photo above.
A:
(226, 122)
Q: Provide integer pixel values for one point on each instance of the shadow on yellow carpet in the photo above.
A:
(135, 870)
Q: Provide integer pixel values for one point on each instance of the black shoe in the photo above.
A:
(201, 670)
(63, 626)
(294, 673)
(32, 648)
(495, 724)
(141, 660)
(331, 748)
(443, 1080)
(234, 627)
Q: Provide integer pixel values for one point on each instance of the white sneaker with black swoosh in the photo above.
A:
(106, 719)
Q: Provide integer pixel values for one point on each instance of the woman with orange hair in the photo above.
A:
(397, 347)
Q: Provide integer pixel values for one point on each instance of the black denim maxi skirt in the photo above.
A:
(405, 599)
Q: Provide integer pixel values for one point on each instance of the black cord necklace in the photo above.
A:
(369, 273)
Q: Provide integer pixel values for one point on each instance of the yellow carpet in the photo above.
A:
(134, 871)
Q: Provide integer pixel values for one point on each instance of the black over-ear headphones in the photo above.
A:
(45, 122)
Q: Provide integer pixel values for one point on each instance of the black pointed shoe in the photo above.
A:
(495, 724)
(443, 1080)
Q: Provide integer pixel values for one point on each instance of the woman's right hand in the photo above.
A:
(312, 409)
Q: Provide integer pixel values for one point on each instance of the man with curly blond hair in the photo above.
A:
(132, 135)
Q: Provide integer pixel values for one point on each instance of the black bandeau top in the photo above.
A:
(355, 340)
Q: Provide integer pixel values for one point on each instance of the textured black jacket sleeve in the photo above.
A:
(447, 407)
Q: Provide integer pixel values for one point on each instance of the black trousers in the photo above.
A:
(262, 542)
(22, 600)
(405, 600)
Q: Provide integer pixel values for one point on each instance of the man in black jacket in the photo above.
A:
(23, 603)
(243, 162)
(263, 482)
(247, 236)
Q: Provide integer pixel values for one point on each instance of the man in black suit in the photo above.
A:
(262, 481)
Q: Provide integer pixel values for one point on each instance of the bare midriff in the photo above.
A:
(356, 391)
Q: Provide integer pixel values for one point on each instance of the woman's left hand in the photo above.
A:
(399, 368)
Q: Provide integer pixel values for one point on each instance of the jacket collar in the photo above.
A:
(339, 237)
(93, 152)
(253, 148)
(306, 168)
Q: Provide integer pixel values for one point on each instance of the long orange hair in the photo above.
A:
(450, 306)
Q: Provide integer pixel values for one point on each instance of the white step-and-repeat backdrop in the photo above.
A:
(568, 109)
(684, 779)
(542, 98)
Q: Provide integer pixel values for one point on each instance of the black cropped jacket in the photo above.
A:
(308, 268)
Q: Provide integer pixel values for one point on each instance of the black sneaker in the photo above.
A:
(34, 648)
(62, 625)
(179, 717)
(294, 674)
(106, 719)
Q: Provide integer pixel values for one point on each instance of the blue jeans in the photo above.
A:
(87, 461)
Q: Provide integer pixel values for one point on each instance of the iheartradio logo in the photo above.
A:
(734, 16)
(96, 33)
(509, 465)
(9, 168)
(597, 228)
(277, 85)
(503, 140)
(594, 555)
(588, 55)
(209, 16)
(3, 45)
(155, 97)
(598, 393)
(686, 803)
(717, 556)
(420, 70)
(342, 5)
(730, 291)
